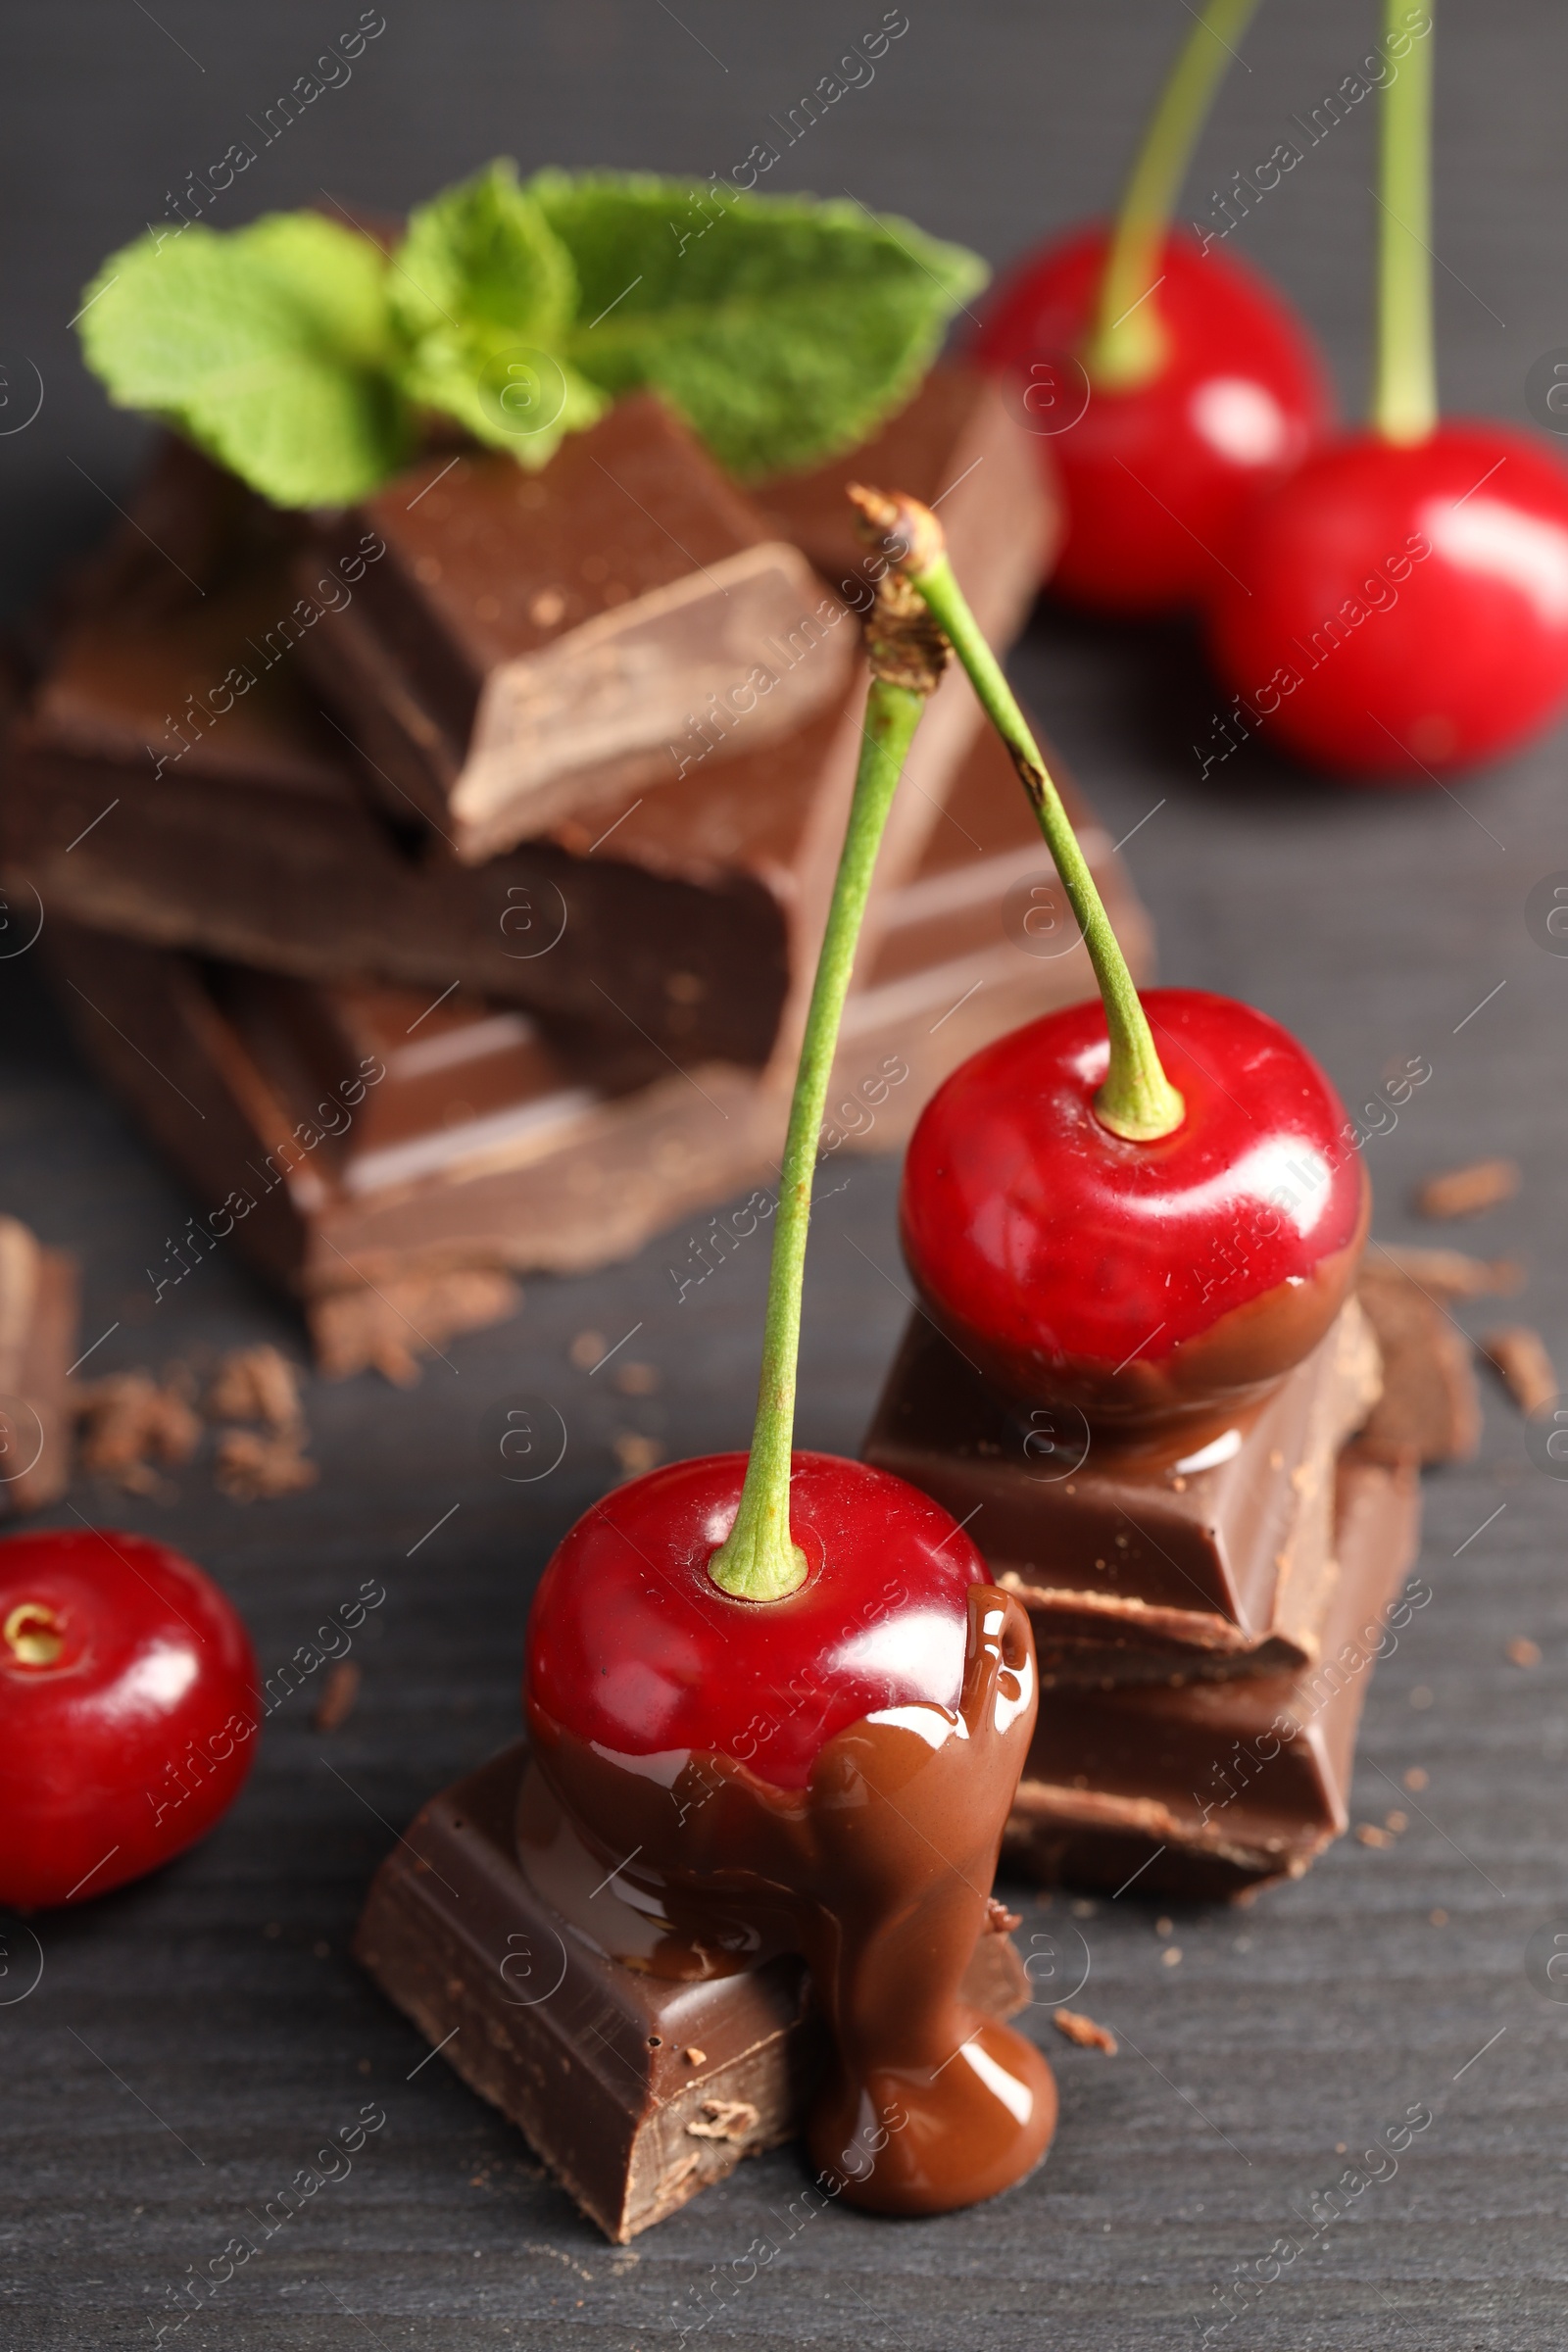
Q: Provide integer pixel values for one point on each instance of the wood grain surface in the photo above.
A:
(192, 2042)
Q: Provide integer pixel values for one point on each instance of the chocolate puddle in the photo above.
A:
(878, 1874)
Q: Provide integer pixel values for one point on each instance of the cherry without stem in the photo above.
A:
(128, 1707)
(1154, 472)
(1401, 609)
(1139, 1282)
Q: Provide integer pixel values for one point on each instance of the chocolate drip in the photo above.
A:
(878, 1874)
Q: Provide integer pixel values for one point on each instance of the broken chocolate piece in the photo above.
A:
(523, 644)
(1518, 1355)
(38, 1291)
(401, 1205)
(636, 2091)
(1212, 1790)
(1429, 1411)
(1140, 1564)
(1465, 1191)
(956, 443)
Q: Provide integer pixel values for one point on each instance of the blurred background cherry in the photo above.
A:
(1166, 381)
(1398, 606)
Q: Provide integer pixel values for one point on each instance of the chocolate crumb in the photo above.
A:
(255, 1384)
(999, 1920)
(253, 1468)
(637, 1380)
(1415, 1778)
(1397, 1821)
(1083, 2031)
(635, 1454)
(693, 2056)
(1369, 1834)
(1518, 1355)
(130, 1421)
(1465, 1191)
(339, 1690)
(587, 1349)
(1522, 1651)
(1439, 1919)
(1451, 1273)
(1171, 1956)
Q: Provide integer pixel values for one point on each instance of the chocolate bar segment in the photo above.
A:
(1139, 1565)
(489, 1147)
(956, 441)
(522, 644)
(38, 1298)
(1210, 1790)
(637, 2091)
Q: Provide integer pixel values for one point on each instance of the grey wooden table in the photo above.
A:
(194, 2039)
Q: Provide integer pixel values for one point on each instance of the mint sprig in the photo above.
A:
(272, 348)
(484, 291)
(300, 354)
(783, 329)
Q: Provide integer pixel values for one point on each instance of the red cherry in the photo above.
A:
(128, 1703)
(633, 1646)
(1154, 476)
(1137, 1281)
(1404, 608)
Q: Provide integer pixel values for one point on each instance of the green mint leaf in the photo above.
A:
(270, 347)
(782, 328)
(484, 293)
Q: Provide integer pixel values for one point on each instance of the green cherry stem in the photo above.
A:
(1404, 396)
(1136, 1099)
(759, 1561)
(1127, 344)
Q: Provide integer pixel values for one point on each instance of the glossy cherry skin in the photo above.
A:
(1152, 478)
(1403, 610)
(128, 1708)
(1139, 1283)
(633, 1646)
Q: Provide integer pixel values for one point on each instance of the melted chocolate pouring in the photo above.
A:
(878, 1873)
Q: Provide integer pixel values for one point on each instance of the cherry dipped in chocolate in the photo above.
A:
(776, 1703)
(1146, 1211)
(1143, 1283)
(128, 1708)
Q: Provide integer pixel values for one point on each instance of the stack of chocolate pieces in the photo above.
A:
(441, 882)
(1206, 1617)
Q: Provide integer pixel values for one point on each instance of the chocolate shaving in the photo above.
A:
(1084, 2032)
(1465, 1191)
(255, 1384)
(255, 1468)
(1451, 1273)
(389, 1326)
(339, 1689)
(1518, 1355)
(130, 1421)
(1429, 1411)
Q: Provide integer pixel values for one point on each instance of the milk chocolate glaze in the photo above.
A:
(878, 1873)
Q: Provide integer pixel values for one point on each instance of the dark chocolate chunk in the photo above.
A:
(637, 2091)
(1211, 1790)
(1148, 1564)
(522, 644)
(486, 1150)
(38, 1291)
